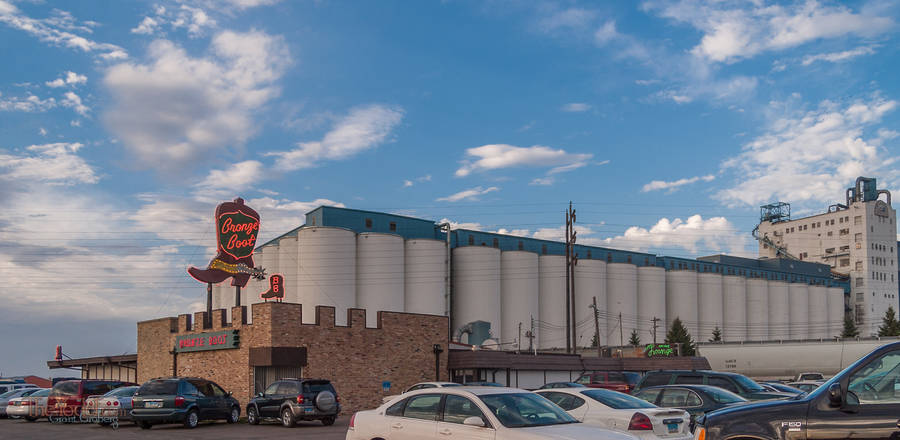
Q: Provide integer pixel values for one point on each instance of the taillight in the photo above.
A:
(179, 401)
(300, 399)
(337, 398)
(108, 403)
(352, 419)
(640, 422)
(116, 403)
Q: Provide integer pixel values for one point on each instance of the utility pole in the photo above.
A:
(237, 296)
(621, 335)
(596, 325)
(530, 335)
(571, 261)
(208, 321)
(519, 340)
(655, 321)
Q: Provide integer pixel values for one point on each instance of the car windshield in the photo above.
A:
(120, 392)
(7, 394)
(451, 385)
(41, 393)
(723, 396)
(747, 383)
(158, 388)
(617, 400)
(522, 410)
(66, 389)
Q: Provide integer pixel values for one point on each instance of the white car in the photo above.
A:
(421, 386)
(621, 412)
(12, 394)
(472, 413)
(30, 407)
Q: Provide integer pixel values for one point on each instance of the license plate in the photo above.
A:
(153, 404)
(673, 428)
(309, 410)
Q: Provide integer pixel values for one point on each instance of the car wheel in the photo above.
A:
(145, 425)
(328, 421)
(287, 418)
(235, 415)
(192, 419)
(30, 419)
(252, 416)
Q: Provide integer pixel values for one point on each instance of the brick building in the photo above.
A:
(358, 360)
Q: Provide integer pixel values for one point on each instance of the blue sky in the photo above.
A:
(122, 124)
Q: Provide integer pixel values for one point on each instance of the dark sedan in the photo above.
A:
(186, 400)
(695, 399)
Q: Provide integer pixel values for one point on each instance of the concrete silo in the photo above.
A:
(327, 271)
(651, 303)
(476, 289)
(425, 283)
(519, 302)
(621, 302)
(734, 306)
(779, 311)
(710, 304)
(835, 311)
(681, 299)
(818, 312)
(552, 302)
(757, 309)
(590, 282)
(289, 266)
(799, 306)
(379, 274)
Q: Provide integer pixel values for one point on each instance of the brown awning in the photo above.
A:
(98, 360)
(278, 357)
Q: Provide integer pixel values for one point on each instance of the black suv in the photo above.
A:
(863, 401)
(292, 400)
(186, 400)
(736, 383)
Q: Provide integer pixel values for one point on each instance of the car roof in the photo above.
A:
(700, 387)
(477, 391)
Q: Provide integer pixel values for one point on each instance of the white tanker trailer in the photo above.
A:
(782, 360)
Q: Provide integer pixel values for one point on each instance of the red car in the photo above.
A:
(622, 381)
(67, 397)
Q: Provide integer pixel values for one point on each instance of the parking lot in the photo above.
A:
(20, 429)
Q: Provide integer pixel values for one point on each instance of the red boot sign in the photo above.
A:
(237, 227)
(276, 288)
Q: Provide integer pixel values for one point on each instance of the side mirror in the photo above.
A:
(228, 393)
(835, 396)
(259, 394)
(473, 421)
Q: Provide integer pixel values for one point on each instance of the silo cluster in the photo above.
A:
(518, 298)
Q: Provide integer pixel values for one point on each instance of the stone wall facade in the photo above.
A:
(356, 359)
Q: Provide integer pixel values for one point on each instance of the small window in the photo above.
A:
(589, 254)
(496, 242)
(393, 227)
(471, 240)
(368, 223)
(628, 259)
(646, 261)
(424, 407)
(544, 249)
(609, 257)
(521, 245)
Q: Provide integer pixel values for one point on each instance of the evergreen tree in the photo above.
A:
(889, 324)
(678, 334)
(850, 330)
(716, 335)
(635, 339)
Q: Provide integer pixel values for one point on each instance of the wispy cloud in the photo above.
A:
(693, 235)
(576, 107)
(70, 79)
(657, 185)
(469, 194)
(55, 164)
(59, 30)
(835, 57)
(500, 156)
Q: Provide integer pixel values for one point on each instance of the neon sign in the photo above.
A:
(276, 288)
(659, 350)
(237, 227)
(208, 341)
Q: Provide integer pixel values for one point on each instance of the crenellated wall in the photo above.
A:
(355, 358)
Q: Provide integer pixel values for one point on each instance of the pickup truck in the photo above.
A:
(860, 402)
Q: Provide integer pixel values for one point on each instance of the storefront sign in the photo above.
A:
(208, 341)
(237, 227)
(659, 350)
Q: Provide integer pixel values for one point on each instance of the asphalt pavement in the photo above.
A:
(21, 429)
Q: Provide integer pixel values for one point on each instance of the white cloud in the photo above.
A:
(469, 194)
(565, 20)
(29, 104)
(835, 57)
(222, 184)
(576, 107)
(176, 109)
(247, 4)
(147, 26)
(606, 33)
(42, 131)
(73, 101)
(195, 20)
(278, 216)
(734, 31)
(656, 185)
(694, 235)
(811, 156)
(499, 156)
(55, 164)
(362, 129)
(407, 183)
(71, 78)
(58, 30)
(543, 181)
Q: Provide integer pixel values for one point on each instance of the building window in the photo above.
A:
(496, 242)
(646, 261)
(829, 251)
(589, 256)
(471, 240)
(393, 227)
(830, 233)
(522, 246)
(368, 223)
(544, 249)
(628, 259)
(845, 262)
(859, 265)
(857, 220)
(609, 257)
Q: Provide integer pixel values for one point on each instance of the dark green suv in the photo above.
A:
(291, 400)
(736, 383)
(186, 400)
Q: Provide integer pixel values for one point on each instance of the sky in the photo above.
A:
(666, 123)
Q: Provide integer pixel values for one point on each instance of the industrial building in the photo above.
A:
(856, 239)
(510, 291)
